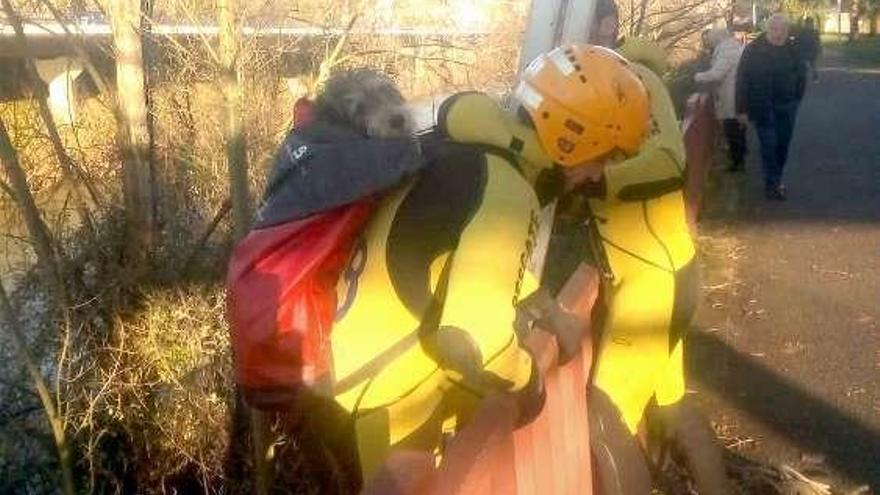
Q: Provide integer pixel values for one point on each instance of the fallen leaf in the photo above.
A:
(813, 459)
(852, 391)
(792, 347)
(838, 273)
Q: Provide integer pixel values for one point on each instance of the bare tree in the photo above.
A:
(860, 9)
(236, 159)
(135, 140)
(39, 234)
(236, 146)
(672, 23)
(9, 318)
(72, 173)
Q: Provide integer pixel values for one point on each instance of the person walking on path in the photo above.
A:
(726, 54)
(769, 88)
(810, 46)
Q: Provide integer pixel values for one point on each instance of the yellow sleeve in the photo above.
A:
(487, 275)
(654, 172)
(659, 167)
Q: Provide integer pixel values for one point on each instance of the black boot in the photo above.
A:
(776, 193)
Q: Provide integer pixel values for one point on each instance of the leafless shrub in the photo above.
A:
(676, 24)
(156, 386)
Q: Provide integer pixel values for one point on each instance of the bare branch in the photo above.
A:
(671, 38)
(6, 189)
(203, 37)
(331, 59)
(10, 321)
(221, 213)
(72, 172)
(678, 9)
(39, 233)
(76, 43)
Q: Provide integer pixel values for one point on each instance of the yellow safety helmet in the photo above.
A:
(585, 103)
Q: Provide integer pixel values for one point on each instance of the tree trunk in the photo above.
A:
(855, 12)
(9, 320)
(47, 261)
(236, 147)
(236, 161)
(640, 24)
(133, 132)
(730, 14)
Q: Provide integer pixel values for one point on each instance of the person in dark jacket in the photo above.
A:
(810, 46)
(769, 88)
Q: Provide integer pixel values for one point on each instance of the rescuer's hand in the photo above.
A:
(552, 317)
(567, 328)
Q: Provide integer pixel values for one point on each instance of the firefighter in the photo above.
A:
(428, 305)
(635, 229)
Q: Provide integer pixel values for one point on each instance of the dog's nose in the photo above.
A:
(397, 122)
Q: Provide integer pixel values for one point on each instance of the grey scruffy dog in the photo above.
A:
(359, 144)
(366, 101)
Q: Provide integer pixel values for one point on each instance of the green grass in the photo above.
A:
(863, 52)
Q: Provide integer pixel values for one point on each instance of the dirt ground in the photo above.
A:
(785, 354)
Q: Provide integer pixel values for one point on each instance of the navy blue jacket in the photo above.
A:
(769, 76)
(323, 166)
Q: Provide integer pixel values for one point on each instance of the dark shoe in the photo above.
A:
(775, 193)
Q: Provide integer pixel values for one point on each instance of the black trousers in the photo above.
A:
(775, 130)
(735, 133)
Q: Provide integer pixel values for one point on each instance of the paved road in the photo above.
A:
(786, 352)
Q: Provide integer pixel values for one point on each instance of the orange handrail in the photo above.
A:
(698, 130)
(550, 455)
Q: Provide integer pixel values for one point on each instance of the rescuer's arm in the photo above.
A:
(544, 310)
(659, 166)
(487, 274)
(653, 172)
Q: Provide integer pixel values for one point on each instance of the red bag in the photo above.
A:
(281, 300)
(303, 112)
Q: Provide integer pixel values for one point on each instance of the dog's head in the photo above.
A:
(366, 101)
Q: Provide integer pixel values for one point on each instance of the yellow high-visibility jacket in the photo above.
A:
(650, 253)
(427, 305)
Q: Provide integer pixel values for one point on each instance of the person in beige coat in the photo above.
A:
(726, 53)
